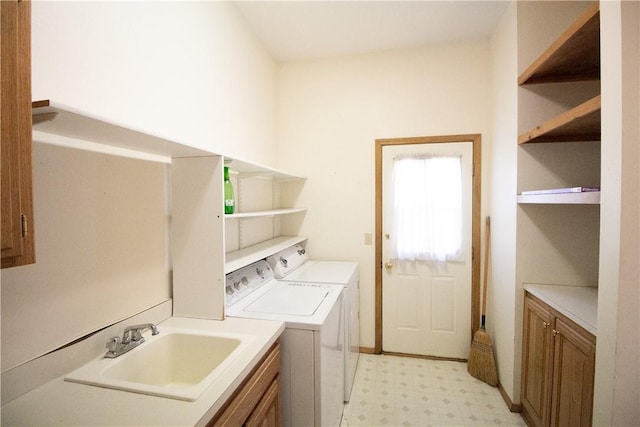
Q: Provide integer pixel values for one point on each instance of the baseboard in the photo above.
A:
(368, 350)
(513, 407)
(419, 356)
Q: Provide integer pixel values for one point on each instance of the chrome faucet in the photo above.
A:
(131, 338)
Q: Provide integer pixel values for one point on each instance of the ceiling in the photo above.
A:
(304, 30)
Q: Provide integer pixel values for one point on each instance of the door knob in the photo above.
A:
(388, 265)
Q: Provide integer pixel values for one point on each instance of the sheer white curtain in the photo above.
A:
(427, 208)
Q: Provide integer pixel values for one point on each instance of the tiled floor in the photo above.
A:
(402, 391)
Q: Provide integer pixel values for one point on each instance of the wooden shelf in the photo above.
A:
(274, 212)
(586, 198)
(246, 256)
(581, 123)
(574, 56)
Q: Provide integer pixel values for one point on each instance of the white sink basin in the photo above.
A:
(177, 363)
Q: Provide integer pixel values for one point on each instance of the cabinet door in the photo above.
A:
(572, 395)
(257, 401)
(537, 362)
(15, 118)
(267, 412)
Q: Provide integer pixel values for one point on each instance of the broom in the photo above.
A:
(481, 362)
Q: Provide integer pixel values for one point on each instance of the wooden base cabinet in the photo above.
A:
(558, 363)
(256, 403)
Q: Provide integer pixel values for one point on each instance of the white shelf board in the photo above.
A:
(585, 198)
(245, 256)
(274, 212)
(246, 169)
(73, 123)
(76, 125)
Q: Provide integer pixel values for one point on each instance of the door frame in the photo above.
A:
(476, 140)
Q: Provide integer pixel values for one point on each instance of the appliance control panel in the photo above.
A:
(245, 280)
(287, 260)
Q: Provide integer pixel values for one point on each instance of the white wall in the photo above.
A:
(501, 316)
(332, 111)
(617, 372)
(617, 381)
(189, 71)
(101, 229)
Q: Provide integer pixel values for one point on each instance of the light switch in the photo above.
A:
(368, 239)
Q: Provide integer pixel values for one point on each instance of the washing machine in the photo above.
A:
(311, 346)
(293, 265)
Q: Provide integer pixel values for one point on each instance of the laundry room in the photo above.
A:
(136, 114)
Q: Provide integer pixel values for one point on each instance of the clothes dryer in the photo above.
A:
(293, 265)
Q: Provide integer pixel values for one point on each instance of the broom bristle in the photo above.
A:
(482, 364)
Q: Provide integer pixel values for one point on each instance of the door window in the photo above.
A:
(427, 208)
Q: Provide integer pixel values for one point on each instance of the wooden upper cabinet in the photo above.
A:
(15, 116)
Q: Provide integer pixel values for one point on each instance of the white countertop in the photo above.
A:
(578, 303)
(60, 402)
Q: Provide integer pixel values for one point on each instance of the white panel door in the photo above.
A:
(426, 305)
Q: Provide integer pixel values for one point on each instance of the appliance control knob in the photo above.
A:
(302, 252)
(260, 272)
(284, 262)
(244, 282)
(229, 290)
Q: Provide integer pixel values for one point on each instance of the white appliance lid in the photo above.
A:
(338, 272)
(293, 298)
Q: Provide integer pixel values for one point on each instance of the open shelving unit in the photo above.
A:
(573, 57)
(254, 230)
(558, 218)
(199, 257)
(559, 150)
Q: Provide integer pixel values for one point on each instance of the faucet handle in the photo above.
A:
(113, 344)
(134, 333)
